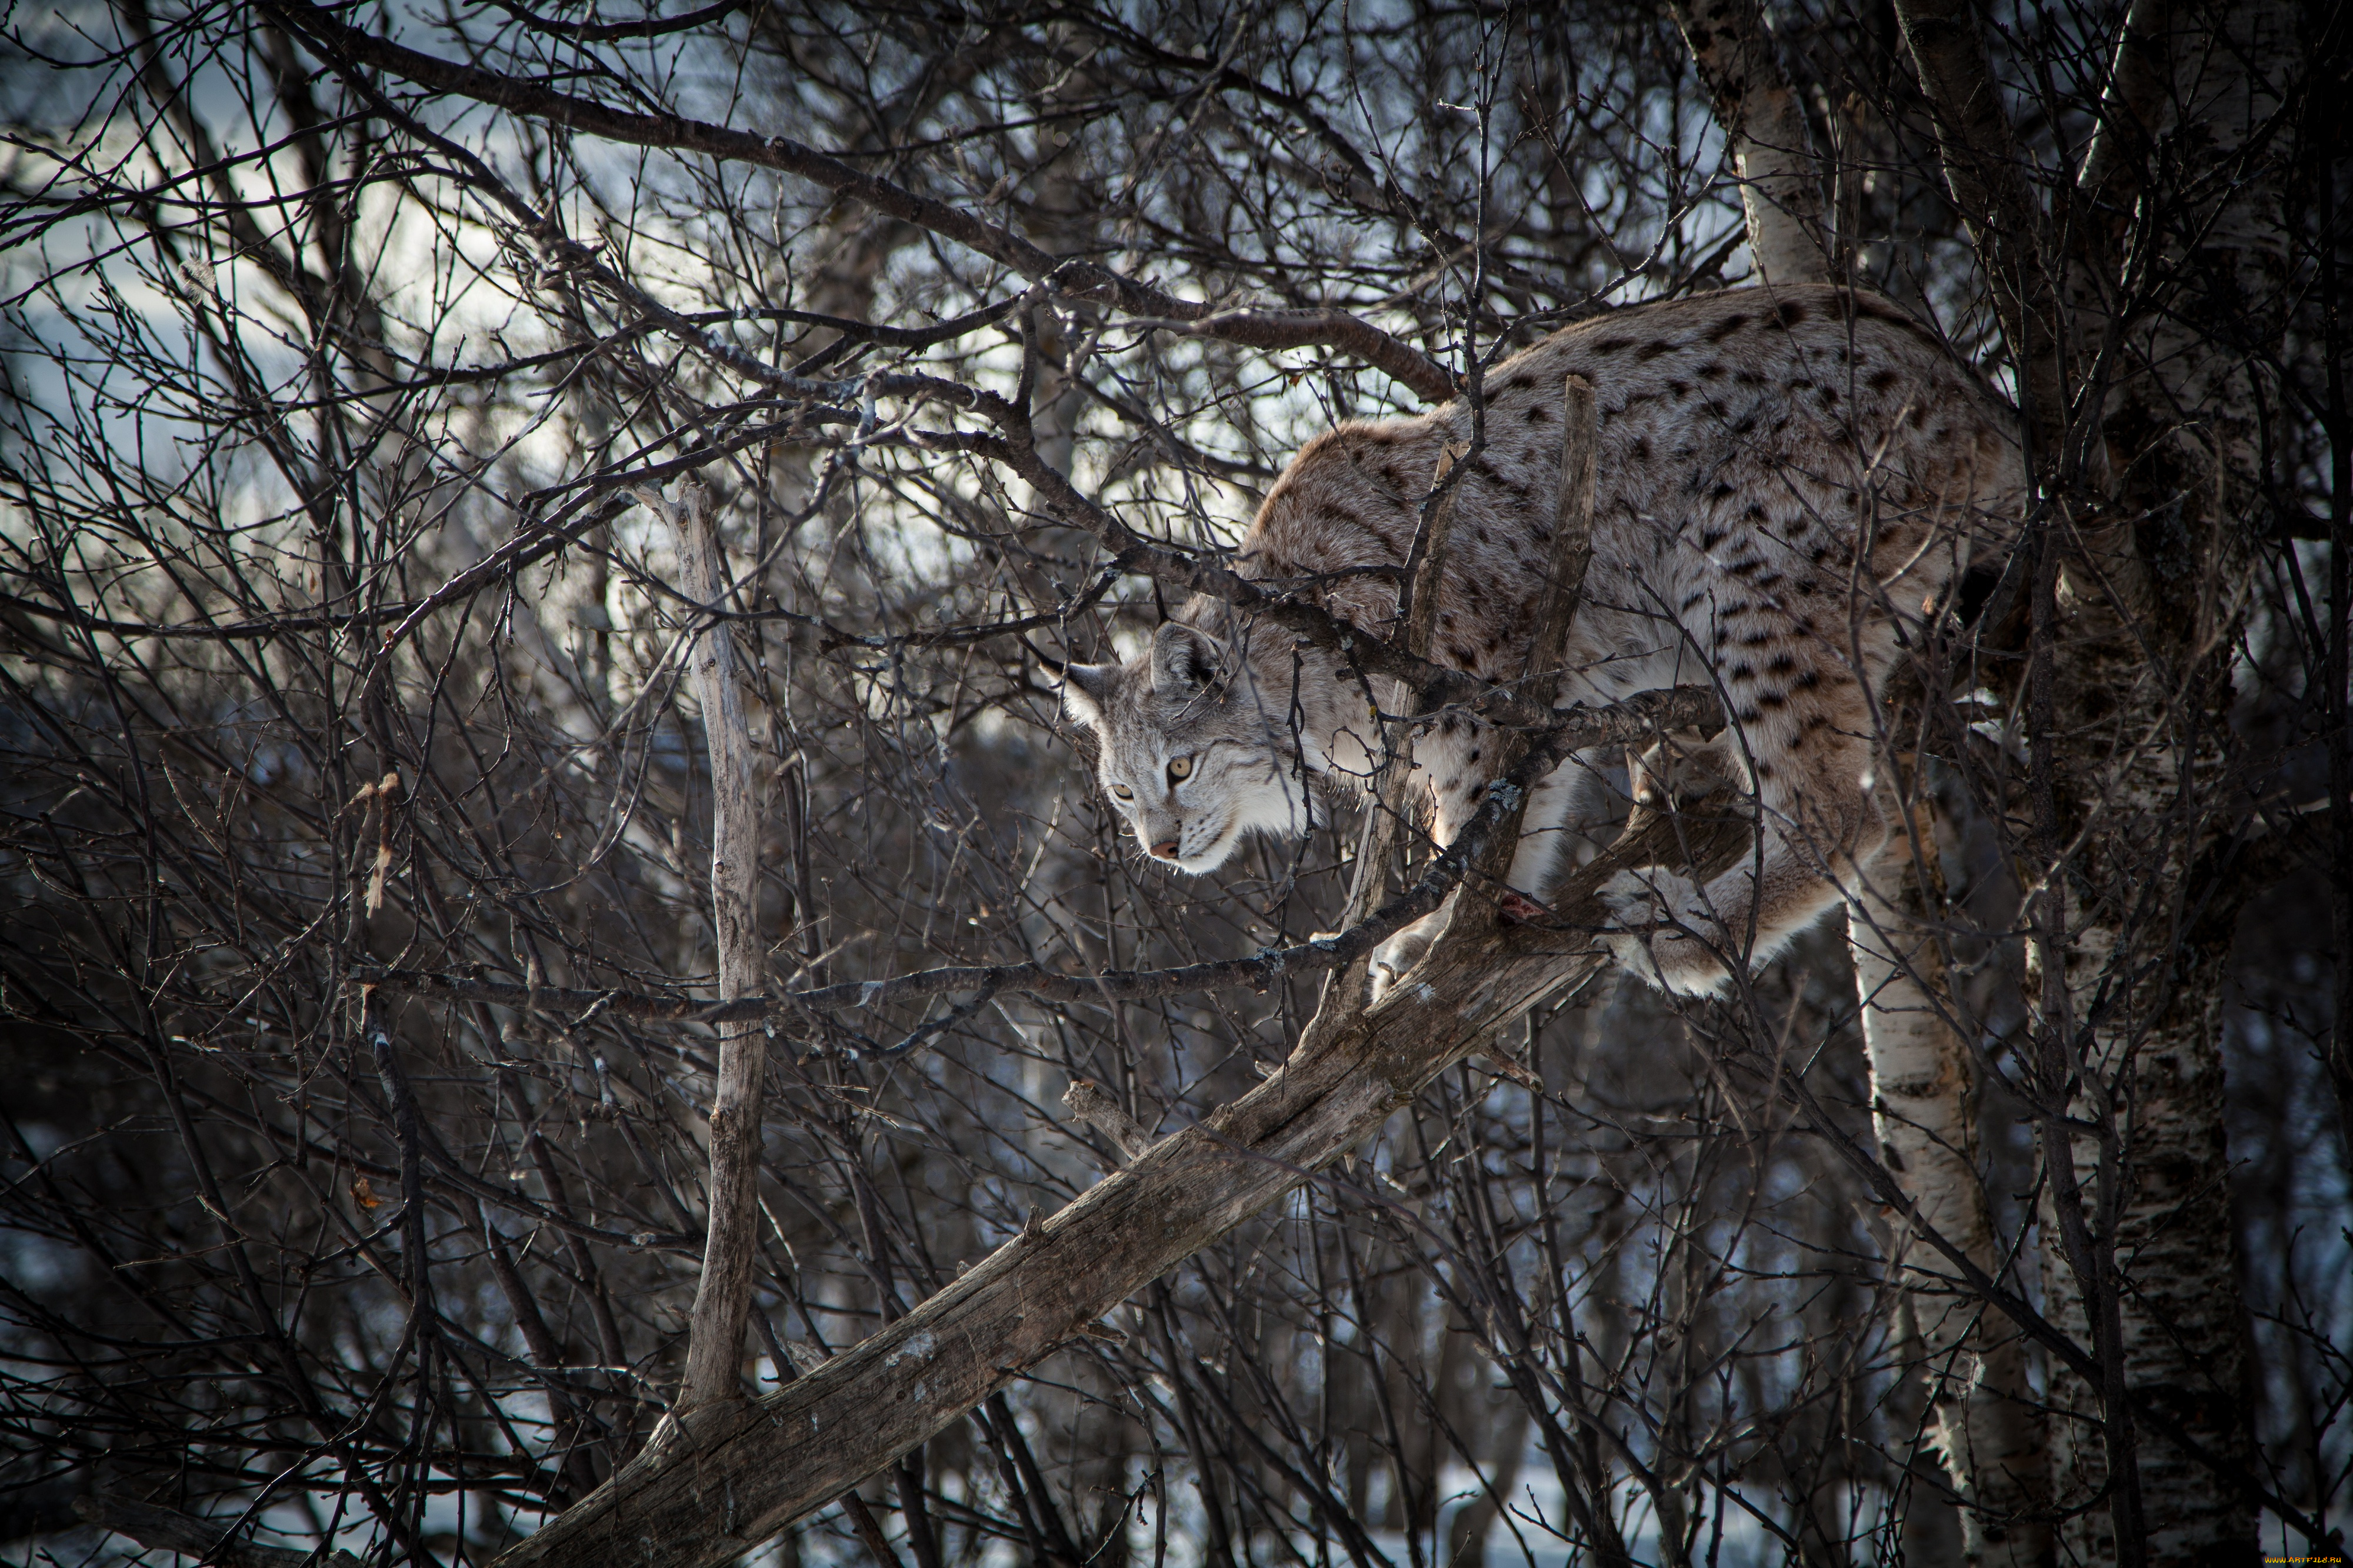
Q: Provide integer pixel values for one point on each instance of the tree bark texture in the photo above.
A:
(724, 1476)
(714, 1347)
(1780, 189)
(2144, 703)
(2184, 1341)
(1988, 1424)
(1985, 172)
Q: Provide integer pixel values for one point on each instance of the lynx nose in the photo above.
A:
(1165, 850)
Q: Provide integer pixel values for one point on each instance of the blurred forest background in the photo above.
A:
(335, 641)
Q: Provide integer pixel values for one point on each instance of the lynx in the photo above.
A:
(1790, 482)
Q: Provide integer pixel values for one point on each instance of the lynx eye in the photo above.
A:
(1181, 767)
(1122, 792)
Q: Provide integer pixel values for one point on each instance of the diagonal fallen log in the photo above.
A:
(722, 1478)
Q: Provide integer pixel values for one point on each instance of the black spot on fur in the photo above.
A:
(1788, 313)
(1883, 379)
(1807, 679)
(1641, 448)
(1474, 753)
(1692, 600)
(1782, 663)
(1536, 415)
(1726, 328)
(1652, 350)
(1712, 371)
(1772, 700)
(1710, 538)
(1612, 345)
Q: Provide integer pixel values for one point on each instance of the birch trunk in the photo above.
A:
(1987, 1426)
(2182, 1330)
(1780, 178)
(2144, 738)
(715, 1346)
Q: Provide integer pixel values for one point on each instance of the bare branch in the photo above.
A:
(337, 40)
(802, 1446)
(722, 1295)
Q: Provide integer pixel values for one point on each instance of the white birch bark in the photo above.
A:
(1986, 1424)
(1780, 178)
(2143, 975)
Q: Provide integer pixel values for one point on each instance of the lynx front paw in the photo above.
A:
(1665, 933)
(1394, 958)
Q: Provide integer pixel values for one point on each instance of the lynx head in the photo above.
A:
(1188, 749)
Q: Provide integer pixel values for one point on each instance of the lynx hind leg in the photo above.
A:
(1686, 938)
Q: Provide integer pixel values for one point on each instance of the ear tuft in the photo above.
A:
(1085, 689)
(1184, 659)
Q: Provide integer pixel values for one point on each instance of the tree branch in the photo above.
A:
(724, 1479)
(338, 41)
(1986, 172)
(723, 1295)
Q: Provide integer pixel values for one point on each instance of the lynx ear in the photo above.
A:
(1085, 689)
(1184, 659)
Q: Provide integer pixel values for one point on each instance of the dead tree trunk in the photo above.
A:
(715, 1346)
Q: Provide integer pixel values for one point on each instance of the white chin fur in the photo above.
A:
(1216, 855)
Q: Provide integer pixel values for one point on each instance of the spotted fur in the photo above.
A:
(1787, 481)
